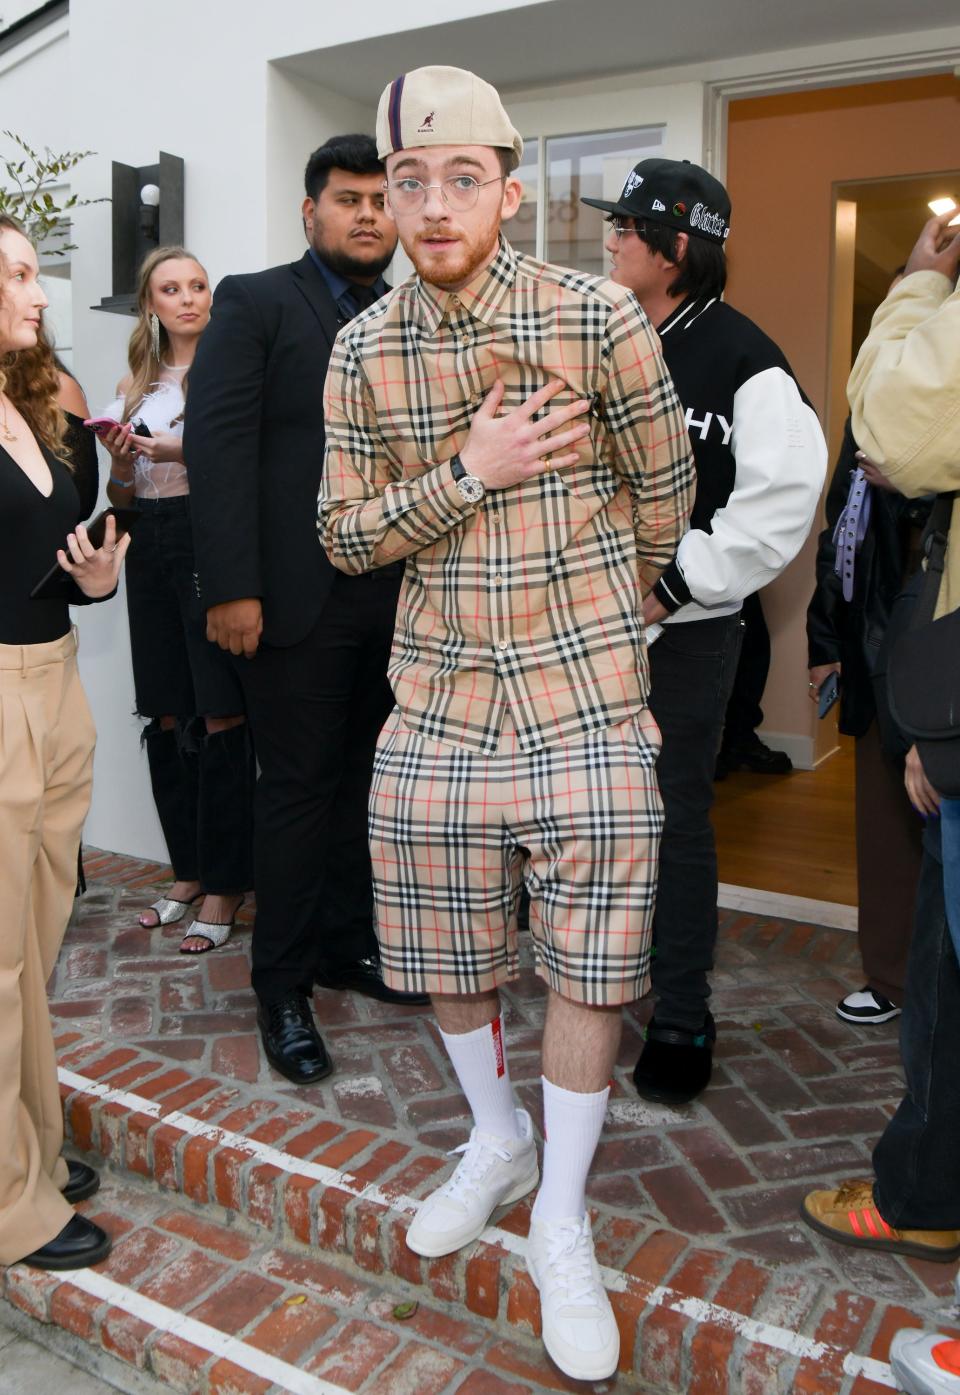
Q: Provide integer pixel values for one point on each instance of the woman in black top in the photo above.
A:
(46, 760)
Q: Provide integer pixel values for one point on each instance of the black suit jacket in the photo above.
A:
(253, 443)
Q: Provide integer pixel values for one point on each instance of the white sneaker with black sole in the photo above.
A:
(579, 1329)
(867, 1006)
(492, 1172)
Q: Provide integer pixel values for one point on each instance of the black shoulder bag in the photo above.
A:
(923, 678)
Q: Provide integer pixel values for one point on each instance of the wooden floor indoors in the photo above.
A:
(791, 833)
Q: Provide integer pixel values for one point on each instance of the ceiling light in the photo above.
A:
(941, 206)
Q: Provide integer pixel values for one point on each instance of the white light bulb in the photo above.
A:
(150, 195)
(941, 206)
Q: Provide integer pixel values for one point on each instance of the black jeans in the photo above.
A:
(917, 1162)
(744, 713)
(316, 709)
(692, 668)
(202, 783)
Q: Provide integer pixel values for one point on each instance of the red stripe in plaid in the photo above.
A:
(452, 832)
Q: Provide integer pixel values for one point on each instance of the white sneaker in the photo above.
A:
(579, 1329)
(492, 1172)
(911, 1356)
(867, 1006)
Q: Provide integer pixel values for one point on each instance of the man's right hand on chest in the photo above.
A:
(236, 625)
(501, 451)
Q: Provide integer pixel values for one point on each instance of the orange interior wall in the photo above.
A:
(784, 155)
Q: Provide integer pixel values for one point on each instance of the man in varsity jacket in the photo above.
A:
(761, 460)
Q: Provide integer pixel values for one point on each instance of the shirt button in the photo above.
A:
(495, 517)
(504, 644)
(454, 300)
(498, 581)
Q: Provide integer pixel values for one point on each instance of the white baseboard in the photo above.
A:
(784, 907)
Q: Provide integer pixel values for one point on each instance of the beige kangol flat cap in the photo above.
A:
(443, 106)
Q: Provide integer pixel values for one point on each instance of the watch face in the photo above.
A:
(471, 490)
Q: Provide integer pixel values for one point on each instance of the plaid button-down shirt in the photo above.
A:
(529, 601)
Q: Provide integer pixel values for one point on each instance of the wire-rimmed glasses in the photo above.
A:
(460, 192)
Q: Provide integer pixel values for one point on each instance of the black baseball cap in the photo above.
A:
(674, 192)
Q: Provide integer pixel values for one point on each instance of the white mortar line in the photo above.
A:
(698, 1309)
(783, 907)
(211, 1339)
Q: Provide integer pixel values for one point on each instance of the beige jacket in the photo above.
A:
(904, 395)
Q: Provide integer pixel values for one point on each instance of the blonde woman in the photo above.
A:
(198, 744)
(46, 764)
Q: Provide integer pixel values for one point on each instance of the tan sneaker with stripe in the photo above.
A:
(849, 1214)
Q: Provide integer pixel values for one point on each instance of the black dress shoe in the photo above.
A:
(79, 1243)
(754, 756)
(83, 1181)
(675, 1065)
(366, 976)
(292, 1044)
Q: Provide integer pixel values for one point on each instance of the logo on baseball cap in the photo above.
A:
(675, 192)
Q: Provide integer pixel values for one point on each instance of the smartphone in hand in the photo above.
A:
(827, 694)
(101, 425)
(56, 580)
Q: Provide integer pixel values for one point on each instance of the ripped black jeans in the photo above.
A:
(202, 782)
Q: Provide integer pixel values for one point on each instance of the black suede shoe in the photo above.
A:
(83, 1182)
(79, 1243)
(291, 1042)
(754, 756)
(675, 1065)
(366, 976)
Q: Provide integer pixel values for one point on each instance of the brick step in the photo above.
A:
(692, 1319)
(207, 1305)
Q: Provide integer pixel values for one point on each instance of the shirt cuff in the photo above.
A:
(671, 590)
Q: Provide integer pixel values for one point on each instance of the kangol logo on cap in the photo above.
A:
(634, 181)
(427, 123)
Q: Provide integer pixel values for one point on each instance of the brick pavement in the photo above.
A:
(702, 1199)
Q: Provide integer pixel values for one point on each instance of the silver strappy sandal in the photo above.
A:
(167, 911)
(215, 932)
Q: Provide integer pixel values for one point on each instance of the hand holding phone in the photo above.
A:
(101, 425)
(56, 581)
(827, 694)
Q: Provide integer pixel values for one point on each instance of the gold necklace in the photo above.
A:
(5, 431)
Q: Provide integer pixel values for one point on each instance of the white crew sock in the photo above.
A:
(480, 1060)
(571, 1128)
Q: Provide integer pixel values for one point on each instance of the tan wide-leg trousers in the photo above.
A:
(46, 766)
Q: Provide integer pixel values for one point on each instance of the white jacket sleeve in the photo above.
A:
(781, 463)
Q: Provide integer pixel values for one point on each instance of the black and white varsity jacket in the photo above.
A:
(760, 456)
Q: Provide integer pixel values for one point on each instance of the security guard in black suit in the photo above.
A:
(311, 645)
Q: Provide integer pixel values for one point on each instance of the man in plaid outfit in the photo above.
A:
(509, 429)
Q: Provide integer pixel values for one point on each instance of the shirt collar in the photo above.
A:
(482, 297)
(338, 285)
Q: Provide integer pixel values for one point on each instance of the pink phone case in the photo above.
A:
(100, 424)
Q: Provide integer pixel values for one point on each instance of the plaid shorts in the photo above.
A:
(453, 832)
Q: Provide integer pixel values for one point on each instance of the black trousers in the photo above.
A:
(744, 713)
(316, 709)
(917, 1160)
(691, 672)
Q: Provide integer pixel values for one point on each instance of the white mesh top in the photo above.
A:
(160, 409)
